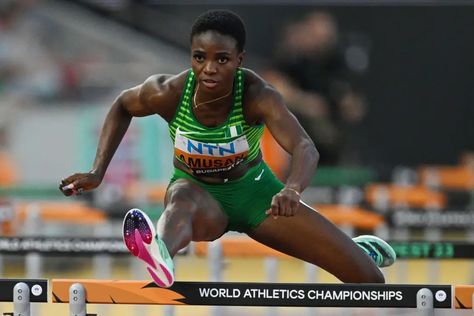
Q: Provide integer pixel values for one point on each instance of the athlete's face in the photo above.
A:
(215, 59)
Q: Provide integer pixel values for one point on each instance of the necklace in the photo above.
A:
(210, 101)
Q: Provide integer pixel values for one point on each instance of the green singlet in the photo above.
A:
(210, 150)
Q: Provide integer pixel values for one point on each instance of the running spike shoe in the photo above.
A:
(379, 250)
(142, 241)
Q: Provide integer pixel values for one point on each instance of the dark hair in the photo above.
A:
(223, 22)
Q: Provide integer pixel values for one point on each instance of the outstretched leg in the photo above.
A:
(190, 214)
(310, 237)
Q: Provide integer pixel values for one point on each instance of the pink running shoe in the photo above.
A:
(141, 240)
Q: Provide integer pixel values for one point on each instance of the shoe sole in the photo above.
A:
(139, 236)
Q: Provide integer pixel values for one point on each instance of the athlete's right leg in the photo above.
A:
(191, 213)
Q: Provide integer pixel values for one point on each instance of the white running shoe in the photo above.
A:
(141, 240)
(378, 249)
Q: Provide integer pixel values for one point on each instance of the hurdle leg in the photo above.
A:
(472, 301)
(138, 273)
(169, 310)
(21, 300)
(311, 277)
(102, 263)
(215, 260)
(77, 300)
(401, 234)
(271, 272)
(424, 302)
(1, 265)
(470, 238)
(433, 235)
(383, 231)
(1, 256)
(33, 261)
(33, 226)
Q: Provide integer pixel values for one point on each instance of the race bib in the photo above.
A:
(206, 158)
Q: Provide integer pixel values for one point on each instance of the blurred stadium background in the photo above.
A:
(384, 88)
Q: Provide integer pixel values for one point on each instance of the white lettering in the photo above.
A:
(219, 293)
(354, 295)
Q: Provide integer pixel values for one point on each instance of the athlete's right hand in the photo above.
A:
(79, 182)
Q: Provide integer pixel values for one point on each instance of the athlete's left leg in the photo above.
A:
(309, 236)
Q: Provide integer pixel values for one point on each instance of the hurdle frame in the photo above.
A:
(255, 294)
(23, 292)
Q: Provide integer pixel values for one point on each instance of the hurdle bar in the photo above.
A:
(22, 292)
(258, 294)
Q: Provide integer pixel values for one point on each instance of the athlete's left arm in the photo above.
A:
(291, 136)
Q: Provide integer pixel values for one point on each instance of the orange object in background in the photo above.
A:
(69, 212)
(6, 215)
(50, 211)
(275, 156)
(413, 196)
(450, 177)
(354, 216)
(8, 174)
(240, 247)
(150, 192)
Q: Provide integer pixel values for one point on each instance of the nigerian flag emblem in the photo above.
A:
(233, 131)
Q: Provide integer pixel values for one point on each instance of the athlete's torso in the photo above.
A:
(221, 152)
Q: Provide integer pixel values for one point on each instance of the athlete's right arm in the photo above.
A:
(137, 101)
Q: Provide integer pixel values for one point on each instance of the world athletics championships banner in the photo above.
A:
(252, 294)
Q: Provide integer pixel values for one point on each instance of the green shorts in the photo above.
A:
(244, 200)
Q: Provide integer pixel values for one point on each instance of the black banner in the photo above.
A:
(433, 250)
(38, 289)
(310, 295)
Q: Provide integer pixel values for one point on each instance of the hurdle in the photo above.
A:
(22, 292)
(80, 292)
(229, 247)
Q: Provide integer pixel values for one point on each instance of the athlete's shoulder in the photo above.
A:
(259, 97)
(257, 88)
(252, 79)
(161, 92)
(163, 84)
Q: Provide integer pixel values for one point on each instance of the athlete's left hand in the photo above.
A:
(284, 203)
